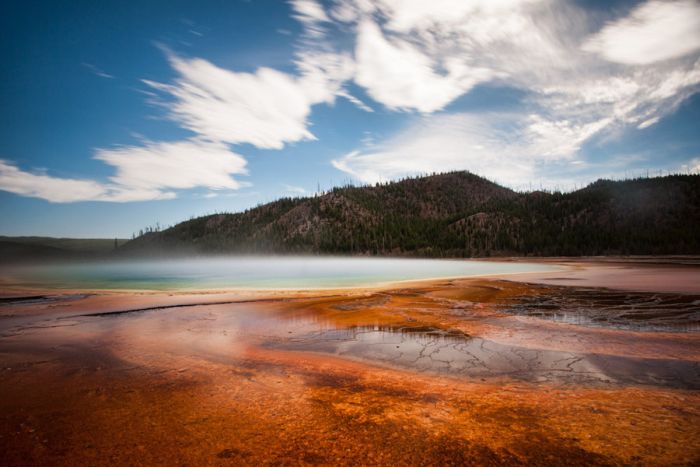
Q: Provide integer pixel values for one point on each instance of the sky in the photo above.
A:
(120, 115)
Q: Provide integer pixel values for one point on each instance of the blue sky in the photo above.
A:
(118, 115)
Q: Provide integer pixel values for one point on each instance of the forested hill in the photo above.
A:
(456, 214)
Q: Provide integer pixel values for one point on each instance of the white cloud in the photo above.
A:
(297, 190)
(322, 74)
(322, 69)
(486, 145)
(401, 77)
(358, 103)
(441, 16)
(309, 11)
(312, 16)
(417, 55)
(649, 122)
(174, 165)
(639, 97)
(40, 185)
(519, 153)
(267, 108)
(96, 71)
(555, 139)
(149, 172)
(652, 32)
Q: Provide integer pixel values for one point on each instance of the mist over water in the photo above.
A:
(252, 272)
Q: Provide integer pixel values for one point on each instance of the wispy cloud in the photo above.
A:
(582, 80)
(149, 172)
(40, 185)
(96, 71)
(311, 14)
(503, 147)
(484, 145)
(402, 77)
(174, 165)
(358, 103)
(652, 32)
(266, 109)
(297, 190)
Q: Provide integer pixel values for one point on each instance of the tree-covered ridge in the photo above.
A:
(456, 214)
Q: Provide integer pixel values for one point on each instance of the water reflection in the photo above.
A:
(451, 352)
(641, 311)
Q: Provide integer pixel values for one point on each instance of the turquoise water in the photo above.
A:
(253, 272)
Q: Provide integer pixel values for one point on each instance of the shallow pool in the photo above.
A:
(253, 272)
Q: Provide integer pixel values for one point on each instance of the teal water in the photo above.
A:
(253, 272)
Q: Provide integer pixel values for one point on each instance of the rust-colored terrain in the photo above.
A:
(468, 372)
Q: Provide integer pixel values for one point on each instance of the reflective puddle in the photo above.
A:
(642, 311)
(450, 352)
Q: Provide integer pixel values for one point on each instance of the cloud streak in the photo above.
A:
(401, 77)
(40, 185)
(491, 146)
(654, 31)
(267, 108)
(149, 172)
(502, 147)
(96, 71)
(174, 165)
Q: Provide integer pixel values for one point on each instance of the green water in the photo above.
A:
(253, 272)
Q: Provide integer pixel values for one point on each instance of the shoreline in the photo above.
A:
(661, 277)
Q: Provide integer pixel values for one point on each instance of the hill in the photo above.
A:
(23, 249)
(456, 214)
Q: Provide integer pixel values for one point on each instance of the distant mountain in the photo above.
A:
(23, 249)
(456, 214)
